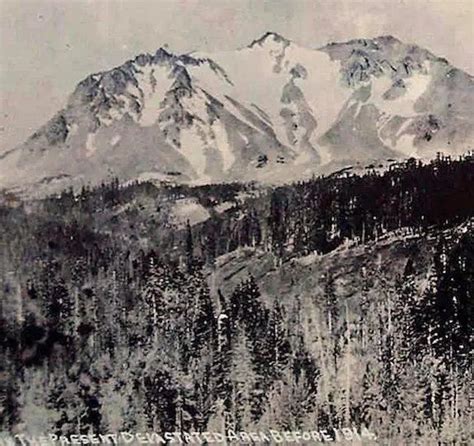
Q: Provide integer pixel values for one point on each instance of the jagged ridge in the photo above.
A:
(272, 111)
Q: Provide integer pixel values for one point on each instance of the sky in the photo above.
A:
(48, 46)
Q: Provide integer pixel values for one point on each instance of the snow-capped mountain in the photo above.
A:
(272, 111)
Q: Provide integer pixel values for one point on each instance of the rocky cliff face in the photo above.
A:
(272, 112)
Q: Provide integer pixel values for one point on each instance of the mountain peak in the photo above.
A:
(249, 116)
(268, 37)
(162, 53)
(387, 38)
(371, 43)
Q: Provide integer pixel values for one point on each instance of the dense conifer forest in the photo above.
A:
(116, 315)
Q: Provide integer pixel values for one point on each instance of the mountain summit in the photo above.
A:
(270, 36)
(272, 111)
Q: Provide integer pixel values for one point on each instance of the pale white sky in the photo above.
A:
(48, 46)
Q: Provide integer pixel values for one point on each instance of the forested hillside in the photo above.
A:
(336, 302)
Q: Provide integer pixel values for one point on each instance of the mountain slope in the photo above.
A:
(308, 307)
(415, 102)
(272, 111)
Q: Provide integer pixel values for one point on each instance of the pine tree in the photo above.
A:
(244, 383)
(189, 246)
(277, 342)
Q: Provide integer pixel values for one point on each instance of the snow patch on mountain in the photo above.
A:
(193, 150)
(91, 148)
(406, 145)
(403, 105)
(269, 67)
(321, 88)
(222, 143)
(73, 129)
(115, 140)
(189, 211)
(404, 127)
(223, 207)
